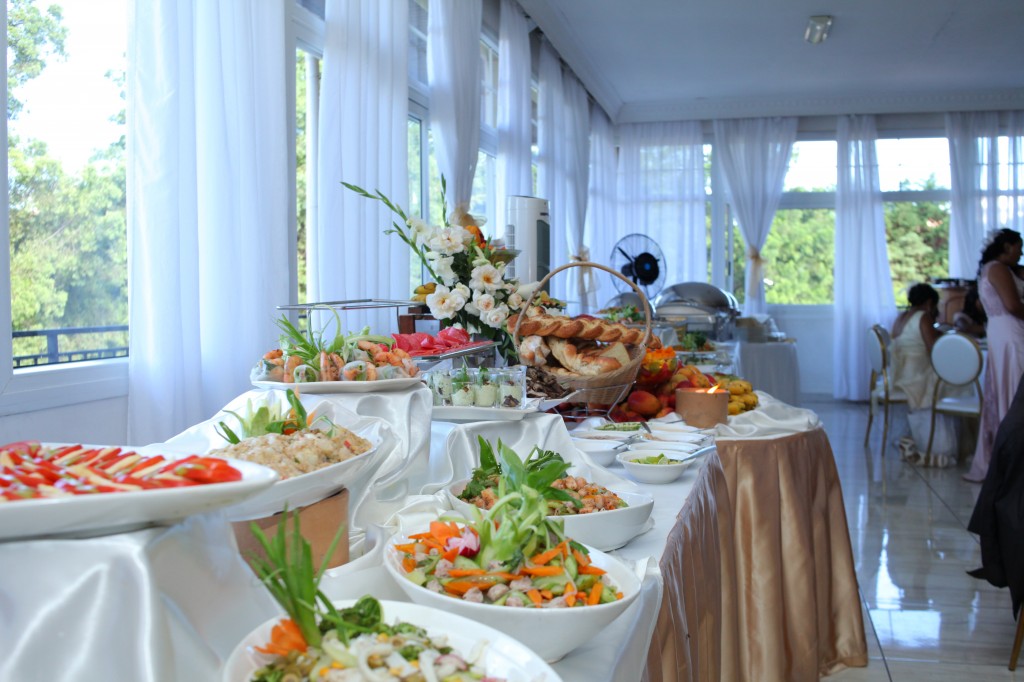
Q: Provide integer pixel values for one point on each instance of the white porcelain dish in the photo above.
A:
(671, 449)
(652, 473)
(315, 387)
(453, 413)
(108, 513)
(551, 633)
(503, 656)
(545, 404)
(605, 530)
(600, 451)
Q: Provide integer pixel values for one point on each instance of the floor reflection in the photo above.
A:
(926, 619)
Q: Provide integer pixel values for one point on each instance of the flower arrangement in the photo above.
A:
(470, 288)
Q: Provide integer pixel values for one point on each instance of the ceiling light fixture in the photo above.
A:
(817, 28)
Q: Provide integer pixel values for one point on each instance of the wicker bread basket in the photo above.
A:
(610, 387)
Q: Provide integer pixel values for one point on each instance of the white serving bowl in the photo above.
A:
(652, 473)
(503, 656)
(600, 451)
(551, 633)
(605, 530)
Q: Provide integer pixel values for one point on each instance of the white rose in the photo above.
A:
(486, 277)
(464, 290)
(515, 301)
(483, 301)
(495, 317)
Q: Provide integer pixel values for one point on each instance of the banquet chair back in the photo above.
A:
(957, 360)
(882, 390)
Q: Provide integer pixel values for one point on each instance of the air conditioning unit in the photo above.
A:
(529, 232)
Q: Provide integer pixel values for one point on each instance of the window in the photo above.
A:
(307, 97)
(66, 180)
(914, 174)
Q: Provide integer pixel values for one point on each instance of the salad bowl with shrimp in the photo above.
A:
(513, 568)
(600, 517)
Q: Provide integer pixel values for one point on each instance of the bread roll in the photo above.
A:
(533, 352)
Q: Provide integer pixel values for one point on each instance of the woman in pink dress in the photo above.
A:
(1001, 292)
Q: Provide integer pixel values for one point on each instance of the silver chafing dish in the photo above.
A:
(700, 307)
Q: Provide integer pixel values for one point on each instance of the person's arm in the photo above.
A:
(928, 331)
(1001, 279)
(966, 324)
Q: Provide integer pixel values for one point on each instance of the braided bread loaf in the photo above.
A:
(539, 323)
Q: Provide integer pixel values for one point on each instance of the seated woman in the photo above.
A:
(914, 334)
(971, 319)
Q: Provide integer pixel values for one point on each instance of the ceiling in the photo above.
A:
(663, 60)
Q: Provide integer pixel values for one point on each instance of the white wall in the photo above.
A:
(99, 422)
(811, 326)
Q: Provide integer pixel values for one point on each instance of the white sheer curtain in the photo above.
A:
(986, 188)
(207, 205)
(364, 105)
(453, 68)
(600, 231)
(514, 154)
(754, 155)
(563, 122)
(661, 193)
(863, 285)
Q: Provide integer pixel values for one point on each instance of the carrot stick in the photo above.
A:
(591, 570)
(544, 557)
(534, 596)
(409, 548)
(595, 594)
(542, 570)
(461, 586)
(450, 554)
(547, 594)
(581, 559)
(409, 564)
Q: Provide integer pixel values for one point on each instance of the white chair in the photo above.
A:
(882, 390)
(957, 360)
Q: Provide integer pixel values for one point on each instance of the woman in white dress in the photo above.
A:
(1001, 292)
(914, 334)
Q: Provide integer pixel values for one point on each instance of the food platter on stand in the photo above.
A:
(318, 387)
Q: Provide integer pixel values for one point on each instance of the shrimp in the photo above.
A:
(274, 357)
(330, 366)
(369, 346)
(290, 364)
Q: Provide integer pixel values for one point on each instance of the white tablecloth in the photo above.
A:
(772, 368)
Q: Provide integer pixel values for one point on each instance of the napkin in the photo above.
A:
(772, 419)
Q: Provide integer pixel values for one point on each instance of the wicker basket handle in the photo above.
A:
(584, 264)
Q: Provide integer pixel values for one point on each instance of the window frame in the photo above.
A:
(49, 386)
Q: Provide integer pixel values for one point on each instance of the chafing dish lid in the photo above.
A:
(694, 294)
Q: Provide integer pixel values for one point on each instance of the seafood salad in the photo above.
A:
(581, 496)
(286, 441)
(319, 642)
(362, 647)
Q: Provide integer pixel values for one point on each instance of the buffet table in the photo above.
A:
(797, 599)
(746, 570)
(771, 367)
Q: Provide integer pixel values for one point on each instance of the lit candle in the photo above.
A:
(702, 408)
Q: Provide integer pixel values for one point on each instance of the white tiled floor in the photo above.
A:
(926, 619)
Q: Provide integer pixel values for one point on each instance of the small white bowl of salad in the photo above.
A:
(651, 466)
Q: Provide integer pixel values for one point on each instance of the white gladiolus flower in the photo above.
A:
(442, 265)
(464, 290)
(421, 231)
(486, 277)
(495, 317)
(526, 290)
(449, 240)
(444, 303)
